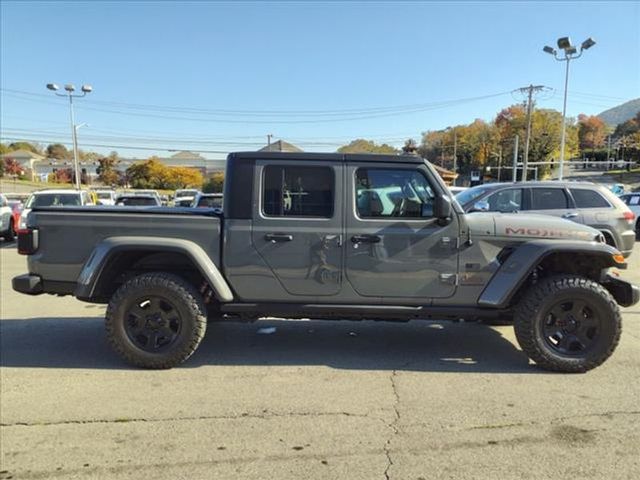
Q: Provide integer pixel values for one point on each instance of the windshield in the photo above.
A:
(104, 195)
(53, 200)
(468, 196)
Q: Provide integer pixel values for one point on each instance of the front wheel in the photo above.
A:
(568, 324)
(156, 320)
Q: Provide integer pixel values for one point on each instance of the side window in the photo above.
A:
(384, 193)
(588, 198)
(548, 199)
(633, 200)
(506, 200)
(292, 191)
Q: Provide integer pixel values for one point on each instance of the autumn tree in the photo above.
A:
(61, 175)
(108, 169)
(152, 173)
(592, 132)
(361, 145)
(12, 167)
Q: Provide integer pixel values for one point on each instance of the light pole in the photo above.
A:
(570, 53)
(69, 88)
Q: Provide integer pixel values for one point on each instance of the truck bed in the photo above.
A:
(68, 235)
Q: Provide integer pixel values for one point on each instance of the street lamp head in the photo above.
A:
(87, 88)
(571, 50)
(52, 86)
(564, 43)
(549, 50)
(587, 44)
(69, 87)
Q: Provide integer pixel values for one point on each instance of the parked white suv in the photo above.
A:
(55, 198)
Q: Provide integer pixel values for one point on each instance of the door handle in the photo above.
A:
(278, 237)
(570, 215)
(365, 239)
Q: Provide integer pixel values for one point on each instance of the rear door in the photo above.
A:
(297, 228)
(550, 200)
(394, 247)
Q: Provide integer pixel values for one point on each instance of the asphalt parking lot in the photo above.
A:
(347, 400)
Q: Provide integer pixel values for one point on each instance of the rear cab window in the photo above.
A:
(294, 191)
(392, 193)
(549, 198)
(585, 198)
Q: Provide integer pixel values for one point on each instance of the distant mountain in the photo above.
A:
(621, 113)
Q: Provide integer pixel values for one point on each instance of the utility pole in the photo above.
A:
(455, 155)
(515, 160)
(609, 152)
(531, 89)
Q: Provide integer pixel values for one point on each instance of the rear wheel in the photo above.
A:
(156, 320)
(568, 324)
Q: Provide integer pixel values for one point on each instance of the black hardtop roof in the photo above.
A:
(324, 157)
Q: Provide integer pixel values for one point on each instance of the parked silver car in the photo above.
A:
(582, 202)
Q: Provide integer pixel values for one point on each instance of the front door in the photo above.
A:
(395, 248)
(298, 227)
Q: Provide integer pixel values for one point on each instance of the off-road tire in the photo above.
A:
(531, 314)
(166, 285)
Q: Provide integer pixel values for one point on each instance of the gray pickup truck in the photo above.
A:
(329, 236)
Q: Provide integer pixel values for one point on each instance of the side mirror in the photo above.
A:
(481, 206)
(442, 207)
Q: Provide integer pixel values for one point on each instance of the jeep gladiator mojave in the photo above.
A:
(330, 236)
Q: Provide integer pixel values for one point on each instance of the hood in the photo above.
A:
(529, 226)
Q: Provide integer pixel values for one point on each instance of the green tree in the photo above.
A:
(361, 145)
(31, 147)
(59, 151)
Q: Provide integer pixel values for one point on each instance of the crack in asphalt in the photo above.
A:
(263, 416)
(552, 420)
(393, 425)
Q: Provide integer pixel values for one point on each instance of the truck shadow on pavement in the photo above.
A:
(413, 346)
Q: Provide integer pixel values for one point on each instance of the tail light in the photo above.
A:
(629, 216)
(27, 241)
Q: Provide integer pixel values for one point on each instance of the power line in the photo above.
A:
(337, 116)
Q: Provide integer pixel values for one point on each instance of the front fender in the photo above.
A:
(506, 281)
(97, 262)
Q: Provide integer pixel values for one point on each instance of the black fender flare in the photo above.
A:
(97, 262)
(506, 281)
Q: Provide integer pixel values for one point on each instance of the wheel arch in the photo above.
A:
(114, 257)
(545, 258)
